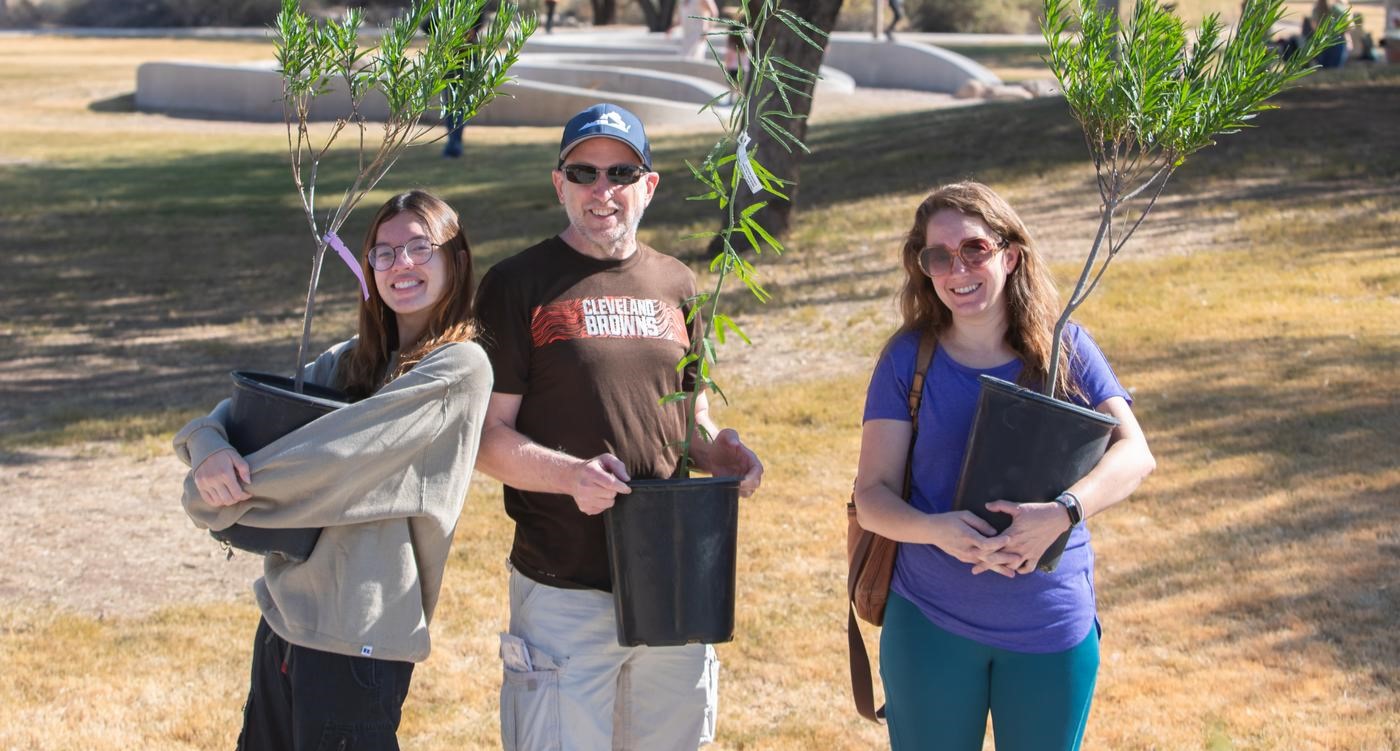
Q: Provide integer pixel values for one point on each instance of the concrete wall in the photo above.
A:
(904, 65)
(551, 105)
(254, 93)
(661, 88)
(644, 82)
(833, 81)
(239, 92)
(870, 63)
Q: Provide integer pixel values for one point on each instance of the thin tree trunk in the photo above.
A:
(777, 216)
(604, 12)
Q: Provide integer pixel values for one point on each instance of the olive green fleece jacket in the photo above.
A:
(386, 478)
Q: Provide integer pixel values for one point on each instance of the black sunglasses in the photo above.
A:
(618, 174)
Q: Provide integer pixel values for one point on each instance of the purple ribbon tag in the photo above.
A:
(333, 240)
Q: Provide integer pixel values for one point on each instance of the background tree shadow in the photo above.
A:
(136, 284)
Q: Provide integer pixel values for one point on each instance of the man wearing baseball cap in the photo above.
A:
(584, 331)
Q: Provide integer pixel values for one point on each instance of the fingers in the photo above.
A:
(609, 473)
(241, 466)
(598, 482)
(1005, 571)
(1005, 507)
(739, 460)
(1003, 562)
(594, 505)
(218, 478)
(983, 527)
(754, 476)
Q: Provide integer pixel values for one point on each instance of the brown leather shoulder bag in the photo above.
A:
(870, 558)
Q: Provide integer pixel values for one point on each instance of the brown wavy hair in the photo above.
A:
(1032, 301)
(365, 369)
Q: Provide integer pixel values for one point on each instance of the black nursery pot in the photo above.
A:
(264, 408)
(672, 547)
(1027, 447)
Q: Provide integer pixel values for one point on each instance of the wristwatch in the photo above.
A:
(1071, 503)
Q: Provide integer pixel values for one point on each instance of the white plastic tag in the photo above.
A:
(745, 168)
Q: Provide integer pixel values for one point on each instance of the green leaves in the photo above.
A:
(1144, 88)
(456, 71)
(722, 175)
(800, 27)
(1147, 96)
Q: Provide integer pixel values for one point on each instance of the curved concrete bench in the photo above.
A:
(904, 65)
(551, 105)
(607, 76)
(556, 79)
(832, 80)
(849, 56)
(547, 94)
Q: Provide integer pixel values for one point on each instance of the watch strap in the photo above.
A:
(1072, 506)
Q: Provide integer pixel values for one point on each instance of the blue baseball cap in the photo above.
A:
(606, 121)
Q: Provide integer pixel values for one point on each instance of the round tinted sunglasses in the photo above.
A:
(618, 174)
(937, 260)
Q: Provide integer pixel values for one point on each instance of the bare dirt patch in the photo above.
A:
(90, 529)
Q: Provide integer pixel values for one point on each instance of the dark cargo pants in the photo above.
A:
(304, 699)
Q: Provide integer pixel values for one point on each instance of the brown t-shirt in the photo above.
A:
(591, 346)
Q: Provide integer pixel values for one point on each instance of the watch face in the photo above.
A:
(1071, 505)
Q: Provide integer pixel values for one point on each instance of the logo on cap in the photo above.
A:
(610, 119)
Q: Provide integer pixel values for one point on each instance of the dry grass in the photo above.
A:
(1247, 591)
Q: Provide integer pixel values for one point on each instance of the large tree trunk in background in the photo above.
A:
(777, 216)
(659, 13)
(604, 12)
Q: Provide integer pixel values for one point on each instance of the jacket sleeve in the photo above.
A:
(371, 460)
(206, 435)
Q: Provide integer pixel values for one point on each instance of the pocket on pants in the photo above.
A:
(711, 679)
(530, 710)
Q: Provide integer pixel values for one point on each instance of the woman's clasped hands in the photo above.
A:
(971, 539)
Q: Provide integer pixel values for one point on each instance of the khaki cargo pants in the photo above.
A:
(569, 686)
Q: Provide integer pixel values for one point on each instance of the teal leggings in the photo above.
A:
(939, 688)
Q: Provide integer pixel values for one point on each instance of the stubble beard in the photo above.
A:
(621, 240)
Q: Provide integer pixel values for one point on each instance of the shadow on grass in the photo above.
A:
(1310, 442)
(119, 103)
(135, 285)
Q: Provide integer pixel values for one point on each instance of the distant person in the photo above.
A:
(971, 626)
(1363, 45)
(1336, 55)
(694, 27)
(549, 7)
(453, 148)
(896, 15)
(385, 478)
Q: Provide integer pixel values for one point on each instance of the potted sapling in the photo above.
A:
(454, 72)
(1147, 96)
(672, 543)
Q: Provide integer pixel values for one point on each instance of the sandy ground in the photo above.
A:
(92, 530)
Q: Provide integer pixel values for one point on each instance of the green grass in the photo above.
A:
(1011, 62)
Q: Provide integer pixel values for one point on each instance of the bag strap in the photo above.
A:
(862, 681)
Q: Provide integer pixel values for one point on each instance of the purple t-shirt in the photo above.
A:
(1036, 612)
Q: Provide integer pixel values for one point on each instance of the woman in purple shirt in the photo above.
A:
(972, 627)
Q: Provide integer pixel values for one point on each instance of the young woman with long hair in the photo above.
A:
(971, 626)
(384, 477)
